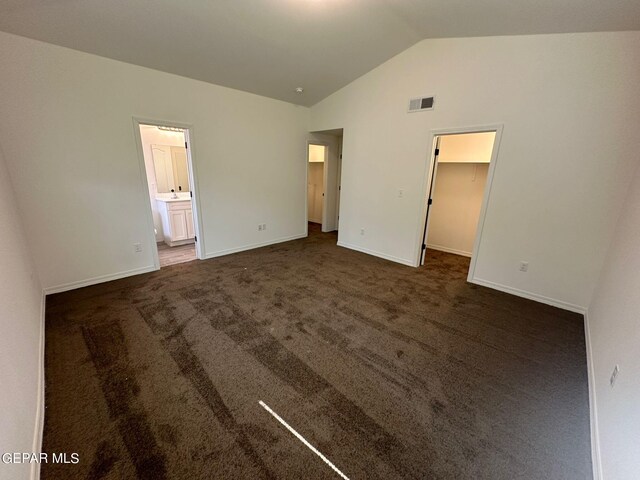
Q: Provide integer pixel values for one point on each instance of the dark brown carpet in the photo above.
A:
(390, 371)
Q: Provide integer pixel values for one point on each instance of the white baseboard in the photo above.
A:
(392, 258)
(531, 296)
(243, 248)
(449, 250)
(39, 420)
(593, 410)
(137, 271)
(100, 279)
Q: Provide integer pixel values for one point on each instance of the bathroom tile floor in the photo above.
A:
(173, 255)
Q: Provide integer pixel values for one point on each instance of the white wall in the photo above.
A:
(614, 333)
(571, 116)
(21, 321)
(457, 199)
(151, 135)
(68, 134)
(467, 147)
(315, 189)
(317, 153)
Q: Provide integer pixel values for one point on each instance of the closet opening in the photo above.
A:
(457, 192)
(316, 173)
(324, 180)
(169, 178)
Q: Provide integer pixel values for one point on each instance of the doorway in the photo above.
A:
(168, 170)
(458, 186)
(316, 161)
(324, 178)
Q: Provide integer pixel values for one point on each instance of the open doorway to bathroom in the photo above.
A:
(169, 176)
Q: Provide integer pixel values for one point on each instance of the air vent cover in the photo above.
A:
(420, 104)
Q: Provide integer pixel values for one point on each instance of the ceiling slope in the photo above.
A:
(270, 47)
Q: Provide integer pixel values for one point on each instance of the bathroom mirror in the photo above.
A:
(170, 165)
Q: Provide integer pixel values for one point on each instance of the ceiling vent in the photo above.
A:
(420, 104)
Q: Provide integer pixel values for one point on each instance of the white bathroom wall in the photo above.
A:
(457, 200)
(21, 341)
(151, 135)
(571, 116)
(614, 336)
(68, 133)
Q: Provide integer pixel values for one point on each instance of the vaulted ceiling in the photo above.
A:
(270, 47)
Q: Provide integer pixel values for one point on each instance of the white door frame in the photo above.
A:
(339, 184)
(193, 180)
(324, 182)
(429, 170)
(433, 173)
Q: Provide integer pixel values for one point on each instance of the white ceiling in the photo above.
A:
(270, 47)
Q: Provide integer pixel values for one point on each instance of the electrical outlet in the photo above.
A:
(524, 266)
(264, 226)
(362, 231)
(259, 227)
(614, 375)
(137, 247)
(400, 193)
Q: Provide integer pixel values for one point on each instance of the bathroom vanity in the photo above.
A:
(177, 220)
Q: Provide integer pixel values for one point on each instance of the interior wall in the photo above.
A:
(457, 199)
(315, 188)
(467, 147)
(571, 114)
(151, 135)
(614, 334)
(21, 323)
(67, 128)
(317, 153)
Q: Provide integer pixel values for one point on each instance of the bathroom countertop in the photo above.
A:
(169, 199)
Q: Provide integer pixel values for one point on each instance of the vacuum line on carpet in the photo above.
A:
(302, 439)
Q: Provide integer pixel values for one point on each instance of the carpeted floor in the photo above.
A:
(389, 371)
